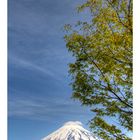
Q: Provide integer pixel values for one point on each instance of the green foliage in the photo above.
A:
(102, 71)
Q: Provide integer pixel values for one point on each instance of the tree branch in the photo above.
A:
(119, 16)
(108, 85)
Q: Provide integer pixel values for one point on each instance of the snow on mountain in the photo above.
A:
(71, 131)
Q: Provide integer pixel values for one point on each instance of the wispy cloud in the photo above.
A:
(30, 65)
(45, 109)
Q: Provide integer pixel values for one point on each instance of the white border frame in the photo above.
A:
(136, 70)
(3, 69)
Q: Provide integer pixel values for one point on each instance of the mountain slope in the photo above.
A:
(71, 131)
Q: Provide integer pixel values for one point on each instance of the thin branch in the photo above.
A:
(129, 8)
(119, 16)
(130, 64)
(120, 61)
(108, 86)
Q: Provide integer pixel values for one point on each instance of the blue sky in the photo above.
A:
(38, 80)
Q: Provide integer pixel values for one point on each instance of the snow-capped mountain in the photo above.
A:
(71, 131)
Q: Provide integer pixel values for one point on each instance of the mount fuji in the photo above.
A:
(71, 131)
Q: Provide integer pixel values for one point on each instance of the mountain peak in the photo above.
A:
(72, 130)
(75, 123)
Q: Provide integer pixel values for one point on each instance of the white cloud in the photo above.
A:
(44, 109)
(19, 62)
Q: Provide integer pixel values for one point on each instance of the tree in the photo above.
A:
(102, 70)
